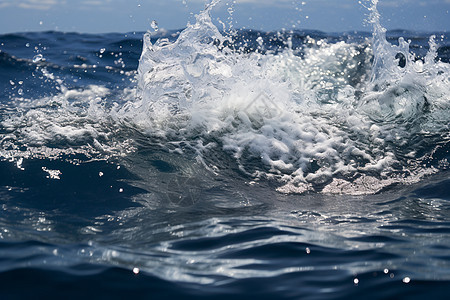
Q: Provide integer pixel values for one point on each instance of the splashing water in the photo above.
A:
(327, 117)
(330, 121)
(154, 25)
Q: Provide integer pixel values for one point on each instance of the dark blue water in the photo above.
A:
(110, 188)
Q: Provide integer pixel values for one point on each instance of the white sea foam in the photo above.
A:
(328, 120)
(74, 121)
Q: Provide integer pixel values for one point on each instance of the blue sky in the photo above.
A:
(101, 16)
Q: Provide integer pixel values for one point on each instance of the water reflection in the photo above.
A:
(218, 234)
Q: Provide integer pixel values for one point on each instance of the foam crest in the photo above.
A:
(72, 122)
(401, 86)
(169, 73)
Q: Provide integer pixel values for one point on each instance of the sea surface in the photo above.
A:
(202, 163)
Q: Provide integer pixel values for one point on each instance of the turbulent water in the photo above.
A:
(200, 163)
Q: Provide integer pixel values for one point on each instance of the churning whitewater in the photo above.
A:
(335, 117)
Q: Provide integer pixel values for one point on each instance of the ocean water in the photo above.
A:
(202, 163)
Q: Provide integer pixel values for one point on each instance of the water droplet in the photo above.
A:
(136, 270)
(11, 82)
(102, 50)
(308, 251)
(40, 22)
(356, 281)
(27, 45)
(20, 92)
(100, 174)
(154, 25)
(406, 280)
(386, 271)
(121, 190)
(38, 58)
(260, 41)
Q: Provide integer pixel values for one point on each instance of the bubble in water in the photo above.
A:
(27, 45)
(154, 25)
(38, 58)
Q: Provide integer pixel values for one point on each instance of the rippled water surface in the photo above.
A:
(199, 163)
